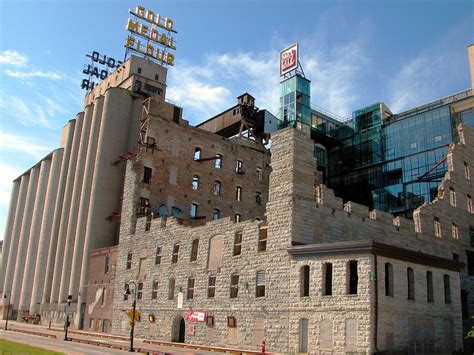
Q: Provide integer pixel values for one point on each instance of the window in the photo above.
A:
(456, 257)
(104, 296)
(239, 167)
(193, 211)
(171, 289)
(129, 261)
(125, 295)
(139, 70)
(353, 277)
(234, 285)
(429, 286)
(190, 293)
(157, 77)
(258, 198)
(237, 218)
(327, 279)
(196, 182)
(211, 287)
(262, 240)
(174, 259)
(238, 193)
(217, 188)
(194, 250)
(471, 235)
(437, 227)
(452, 197)
(158, 256)
(454, 231)
(144, 206)
(470, 262)
(470, 205)
(411, 283)
(140, 290)
(146, 175)
(467, 173)
(259, 174)
(107, 264)
(447, 289)
(218, 162)
(260, 289)
(154, 290)
(237, 243)
(304, 281)
(388, 280)
(216, 245)
(216, 214)
(417, 220)
(197, 153)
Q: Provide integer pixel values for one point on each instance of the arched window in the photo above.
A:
(216, 214)
(304, 281)
(237, 218)
(194, 250)
(238, 193)
(197, 153)
(411, 283)
(196, 182)
(388, 280)
(218, 162)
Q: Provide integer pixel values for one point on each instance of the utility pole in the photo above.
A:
(134, 306)
(8, 308)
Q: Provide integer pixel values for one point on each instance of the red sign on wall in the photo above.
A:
(289, 59)
(190, 330)
(195, 316)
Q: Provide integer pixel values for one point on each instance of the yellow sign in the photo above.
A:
(151, 38)
(137, 315)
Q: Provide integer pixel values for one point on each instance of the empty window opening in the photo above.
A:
(454, 231)
(157, 77)
(467, 173)
(174, 259)
(470, 204)
(211, 287)
(429, 286)
(154, 290)
(234, 285)
(237, 218)
(239, 167)
(452, 197)
(447, 289)
(171, 289)
(190, 293)
(411, 283)
(139, 70)
(437, 227)
(125, 295)
(353, 277)
(144, 207)
(388, 280)
(193, 212)
(216, 214)
(327, 279)
(129, 260)
(258, 198)
(194, 250)
(260, 284)
(217, 188)
(262, 239)
(107, 264)
(237, 243)
(146, 175)
(196, 182)
(218, 161)
(158, 256)
(140, 290)
(197, 153)
(238, 193)
(304, 281)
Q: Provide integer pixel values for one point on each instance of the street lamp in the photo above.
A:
(134, 305)
(8, 308)
(67, 310)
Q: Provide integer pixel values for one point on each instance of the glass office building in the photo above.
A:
(389, 162)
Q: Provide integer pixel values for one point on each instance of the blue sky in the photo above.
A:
(404, 53)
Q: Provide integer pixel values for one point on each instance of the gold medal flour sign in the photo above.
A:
(151, 35)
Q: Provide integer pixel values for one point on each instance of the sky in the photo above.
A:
(356, 53)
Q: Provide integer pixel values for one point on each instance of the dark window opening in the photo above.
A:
(211, 288)
(174, 259)
(353, 277)
(260, 287)
(237, 243)
(411, 283)
(327, 272)
(107, 264)
(140, 290)
(234, 285)
(262, 240)
(171, 289)
(471, 235)
(146, 175)
(129, 260)
(216, 214)
(190, 293)
(154, 290)
(447, 289)
(239, 167)
(388, 280)
(139, 70)
(429, 286)
(194, 250)
(258, 198)
(304, 281)
(197, 153)
(158, 256)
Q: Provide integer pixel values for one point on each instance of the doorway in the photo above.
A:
(178, 329)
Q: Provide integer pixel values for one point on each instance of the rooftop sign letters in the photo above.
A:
(99, 68)
(151, 35)
(289, 59)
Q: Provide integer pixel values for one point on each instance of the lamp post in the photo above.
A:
(134, 305)
(66, 326)
(8, 308)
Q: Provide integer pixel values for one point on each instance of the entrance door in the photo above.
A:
(182, 331)
(178, 329)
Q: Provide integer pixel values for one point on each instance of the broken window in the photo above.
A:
(411, 283)
(154, 290)
(146, 175)
(218, 162)
(158, 256)
(171, 289)
(217, 188)
(437, 227)
(196, 182)
(194, 250)
(353, 277)
(237, 218)
(388, 280)
(237, 243)
(234, 285)
(259, 174)
(140, 290)
(216, 214)
(193, 211)
(238, 193)
(327, 279)
(197, 153)
(452, 197)
(129, 260)
(454, 231)
(304, 281)
(429, 286)
(125, 295)
(144, 206)
(262, 240)
(260, 284)
(190, 293)
(174, 259)
(447, 289)
(211, 287)
(258, 198)
(239, 167)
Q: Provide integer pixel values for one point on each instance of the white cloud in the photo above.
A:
(21, 144)
(12, 57)
(34, 74)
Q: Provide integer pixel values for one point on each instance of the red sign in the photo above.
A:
(191, 330)
(289, 59)
(195, 316)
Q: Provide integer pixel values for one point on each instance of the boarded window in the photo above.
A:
(234, 285)
(154, 290)
(215, 252)
(262, 240)
(197, 154)
(326, 335)
(303, 336)
(304, 281)
(146, 175)
(218, 162)
(388, 280)
(327, 279)
(260, 284)
(353, 277)
(237, 243)
(158, 256)
(174, 259)
(211, 287)
(190, 293)
(129, 260)
(447, 289)
(351, 335)
(194, 250)
(411, 283)
(429, 286)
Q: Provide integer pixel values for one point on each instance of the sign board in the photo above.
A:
(180, 300)
(289, 59)
(99, 68)
(191, 329)
(195, 316)
(69, 310)
(151, 35)
(137, 315)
